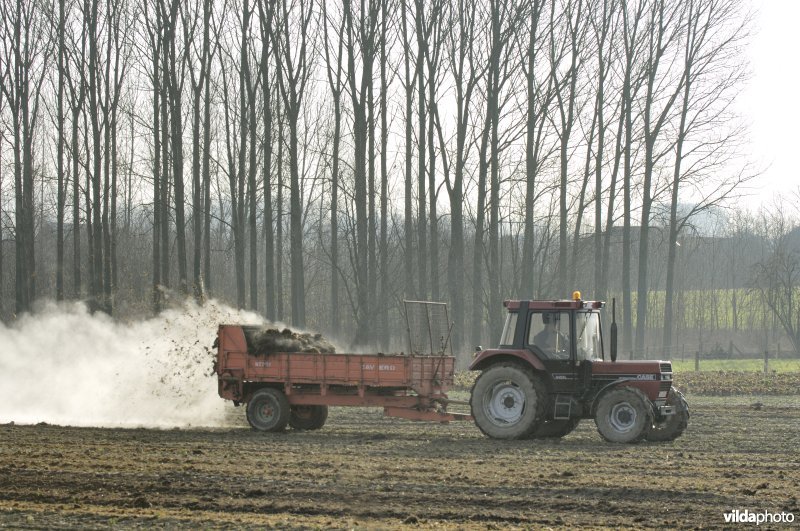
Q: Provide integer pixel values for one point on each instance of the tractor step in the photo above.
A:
(562, 409)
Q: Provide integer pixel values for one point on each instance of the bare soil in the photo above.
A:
(366, 471)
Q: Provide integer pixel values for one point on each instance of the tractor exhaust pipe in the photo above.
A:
(613, 329)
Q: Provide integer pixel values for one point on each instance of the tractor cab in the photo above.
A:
(564, 336)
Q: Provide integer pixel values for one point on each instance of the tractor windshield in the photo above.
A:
(587, 328)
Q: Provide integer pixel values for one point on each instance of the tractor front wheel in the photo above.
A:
(623, 415)
(268, 410)
(308, 417)
(507, 401)
(671, 427)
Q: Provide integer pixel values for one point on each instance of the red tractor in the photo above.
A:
(550, 371)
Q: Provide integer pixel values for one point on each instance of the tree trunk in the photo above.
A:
(157, 302)
(296, 225)
(76, 205)
(422, 203)
(526, 285)
(269, 240)
(251, 193)
(408, 218)
(207, 181)
(97, 226)
(166, 142)
(363, 172)
(279, 308)
(198, 206)
(237, 185)
(383, 307)
(480, 221)
(176, 106)
(61, 181)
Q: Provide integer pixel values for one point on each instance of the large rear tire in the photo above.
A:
(507, 401)
(671, 427)
(554, 429)
(268, 410)
(623, 415)
(308, 417)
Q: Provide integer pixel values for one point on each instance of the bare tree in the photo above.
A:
(384, 194)
(154, 31)
(540, 95)
(777, 277)
(433, 46)
(266, 16)
(408, 217)
(119, 22)
(603, 29)
(61, 184)
(631, 20)
(467, 68)
(423, 30)
(293, 72)
(568, 44)
(198, 80)
(505, 20)
(23, 40)
(235, 156)
(251, 85)
(361, 35)
(662, 34)
(711, 75)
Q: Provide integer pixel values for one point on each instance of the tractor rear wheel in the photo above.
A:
(308, 417)
(623, 415)
(555, 428)
(268, 410)
(671, 427)
(507, 401)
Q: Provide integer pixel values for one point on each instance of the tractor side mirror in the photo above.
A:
(613, 330)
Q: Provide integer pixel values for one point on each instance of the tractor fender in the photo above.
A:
(603, 390)
(492, 356)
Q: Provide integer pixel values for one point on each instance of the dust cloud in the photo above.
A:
(63, 365)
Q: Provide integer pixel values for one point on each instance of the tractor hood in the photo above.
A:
(631, 367)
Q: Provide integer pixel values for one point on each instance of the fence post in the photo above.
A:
(766, 361)
(697, 361)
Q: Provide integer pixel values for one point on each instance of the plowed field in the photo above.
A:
(366, 471)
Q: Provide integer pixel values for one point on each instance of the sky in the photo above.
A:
(770, 102)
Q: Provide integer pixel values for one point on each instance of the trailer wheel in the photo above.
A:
(623, 415)
(555, 428)
(507, 401)
(268, 410)
(671, 427)
(308, 417)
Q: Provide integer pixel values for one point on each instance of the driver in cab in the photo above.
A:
(552, 342)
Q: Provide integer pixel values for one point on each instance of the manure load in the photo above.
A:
(263, 341)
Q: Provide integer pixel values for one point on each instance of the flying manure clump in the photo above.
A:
(268, 340)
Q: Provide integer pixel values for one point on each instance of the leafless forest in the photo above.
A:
(320, 162)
